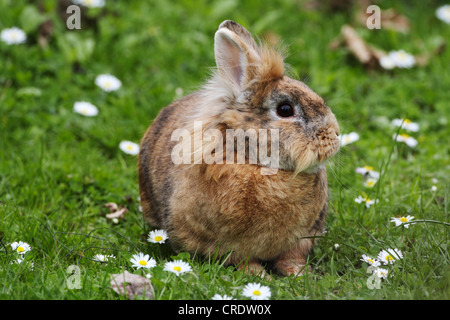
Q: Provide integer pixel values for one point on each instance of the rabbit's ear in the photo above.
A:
(243, 34)
(236, 54)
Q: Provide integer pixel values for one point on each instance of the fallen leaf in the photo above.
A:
(118, 214)
(132, 285)
(365, 53)
(115, 211)
(113, 207)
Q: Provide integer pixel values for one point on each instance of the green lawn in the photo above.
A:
(59, 168)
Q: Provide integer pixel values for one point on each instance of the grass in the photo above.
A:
(58, 169)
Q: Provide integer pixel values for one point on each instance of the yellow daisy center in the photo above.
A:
(130, 147)
(368, 168)
(107, 84)
(256, 292)
(389, 257)
(406, 121)
(403, 219)
(404, 135)
(370, 183)
(370, 260)
(177, 268)
(158, 238)
(20, 249)
(143, 263)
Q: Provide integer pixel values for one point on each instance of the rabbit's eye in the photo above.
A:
(285, 110)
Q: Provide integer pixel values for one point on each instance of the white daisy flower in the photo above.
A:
(434, 188)
(141, 260)
(129, 147)
(348, 138)
(219, 297)
(389, 256)
(369, 260)
(90, 3)
(381, 273)
(13, 35)
(370, 182)
(366, 201)
(401, 220)
(102, 257)
(443, 13)
(157, 236)
(85, 108)
(20, 247)
(402, 59)
(108, 82)
(255, 291)
(369, 171)
(410, 141)
(386, 62)
(406, 124)
(178, 267)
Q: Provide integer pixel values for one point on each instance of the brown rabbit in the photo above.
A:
(257, 207)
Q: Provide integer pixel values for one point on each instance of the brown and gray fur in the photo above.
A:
(223, 208)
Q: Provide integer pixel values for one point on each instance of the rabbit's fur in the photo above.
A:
(237, 209)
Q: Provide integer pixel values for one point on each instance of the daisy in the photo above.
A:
(406, 124)
(255, 291)
(401, 220)
(90, 3)
(129, 147)
(368, 202)
(381, 273)
(369, 171)
(108, 82)
(21, 247)
(389, 256)
(386, 62)
(410, 141)
(348, 138)
(402, 59)
(13, 35)
(178, 267)
(369, 260)
(370, 182)
(157, 236)
(443, 13)
(219, 297)
(102, 257)
(434, 188)
(85, 108)
(142, 261)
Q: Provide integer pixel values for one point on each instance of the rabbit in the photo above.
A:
(236, 210)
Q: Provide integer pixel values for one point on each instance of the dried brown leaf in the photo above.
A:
(365, 53)
(112, 206)
(118, 214)
(132, 285)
